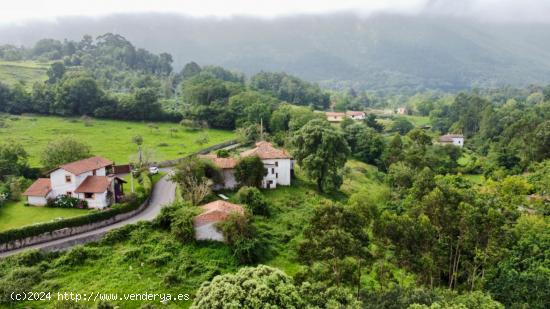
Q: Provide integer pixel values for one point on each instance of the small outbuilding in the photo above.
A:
(452, 139)
(211, 214)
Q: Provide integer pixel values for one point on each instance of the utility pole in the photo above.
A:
(261, 128)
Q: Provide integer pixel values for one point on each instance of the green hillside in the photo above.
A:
(28, 72)
(109, 138)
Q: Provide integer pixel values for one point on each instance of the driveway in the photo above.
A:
(163, 194)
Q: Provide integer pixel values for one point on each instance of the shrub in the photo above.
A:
(261, 286)
(239, 233)
(253, 199)
(182, 224)
(222, 153)
(65, 201)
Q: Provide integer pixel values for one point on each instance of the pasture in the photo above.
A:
(111, 139)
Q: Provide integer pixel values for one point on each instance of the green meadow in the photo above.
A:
(111, 139)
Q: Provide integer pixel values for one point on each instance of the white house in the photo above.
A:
(335, 117)
(227, 166)
(355, 115)
(212, 213)
(402, 110)
(277, 162)
(86, 179)
(452, 139)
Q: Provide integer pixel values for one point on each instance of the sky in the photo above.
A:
(20, 11)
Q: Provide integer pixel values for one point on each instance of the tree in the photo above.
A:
(364, 142)
(250, 171)
(78, 95)
(253, 199)
(239, 233)
(401, 125)
(322, 152)
(250, 287)
(13, 160)
(64, 150)
(542, 141)
(181, 224)
(190, 69)
(55, 72)
(195, 176)
(333, 233)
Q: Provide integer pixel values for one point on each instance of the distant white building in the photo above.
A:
(212, 213)
(452, 139)
(355, 115)
(85, 179)
(277, 162)
(339, 117)
(335, 117)
(402, 110)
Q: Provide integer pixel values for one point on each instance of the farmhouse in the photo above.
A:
(402, 110)
(212, 213)
(335, 117)
(86, 179)
(339, 117)
(452, 139)
(277, 162)
(355, 115)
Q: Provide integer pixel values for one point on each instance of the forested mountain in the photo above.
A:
(386, 52)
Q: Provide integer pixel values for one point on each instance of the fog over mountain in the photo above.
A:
(337, 50)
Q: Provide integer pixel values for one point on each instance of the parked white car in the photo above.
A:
(153, 170)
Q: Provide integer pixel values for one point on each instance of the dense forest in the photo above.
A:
(381, 215)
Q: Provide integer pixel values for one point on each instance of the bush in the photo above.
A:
(253, 199)
(222, 153)
(182, 224)
(261, 286)
(65, 201)
(239, 233)
(250, 171)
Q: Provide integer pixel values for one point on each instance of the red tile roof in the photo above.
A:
(335, 114)
(94, 184)
(449, 137)
(223, 163)
(41, 187)
(355, 113)
(266, 151)
(86, 165)
(216, 211)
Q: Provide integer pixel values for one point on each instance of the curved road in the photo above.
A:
(163, 194)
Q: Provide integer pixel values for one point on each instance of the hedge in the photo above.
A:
(37, 229)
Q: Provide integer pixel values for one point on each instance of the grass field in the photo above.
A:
(111, 139)
(16, 214)
(28, 72)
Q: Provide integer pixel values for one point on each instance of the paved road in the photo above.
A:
(163, 194)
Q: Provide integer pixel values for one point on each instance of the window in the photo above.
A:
(276, 163)
(93, 173)
(68, 193)
(276, 175)
(88, 195)
(67, 178)
(272, 170)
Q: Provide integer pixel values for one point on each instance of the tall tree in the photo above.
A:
(321, 151)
